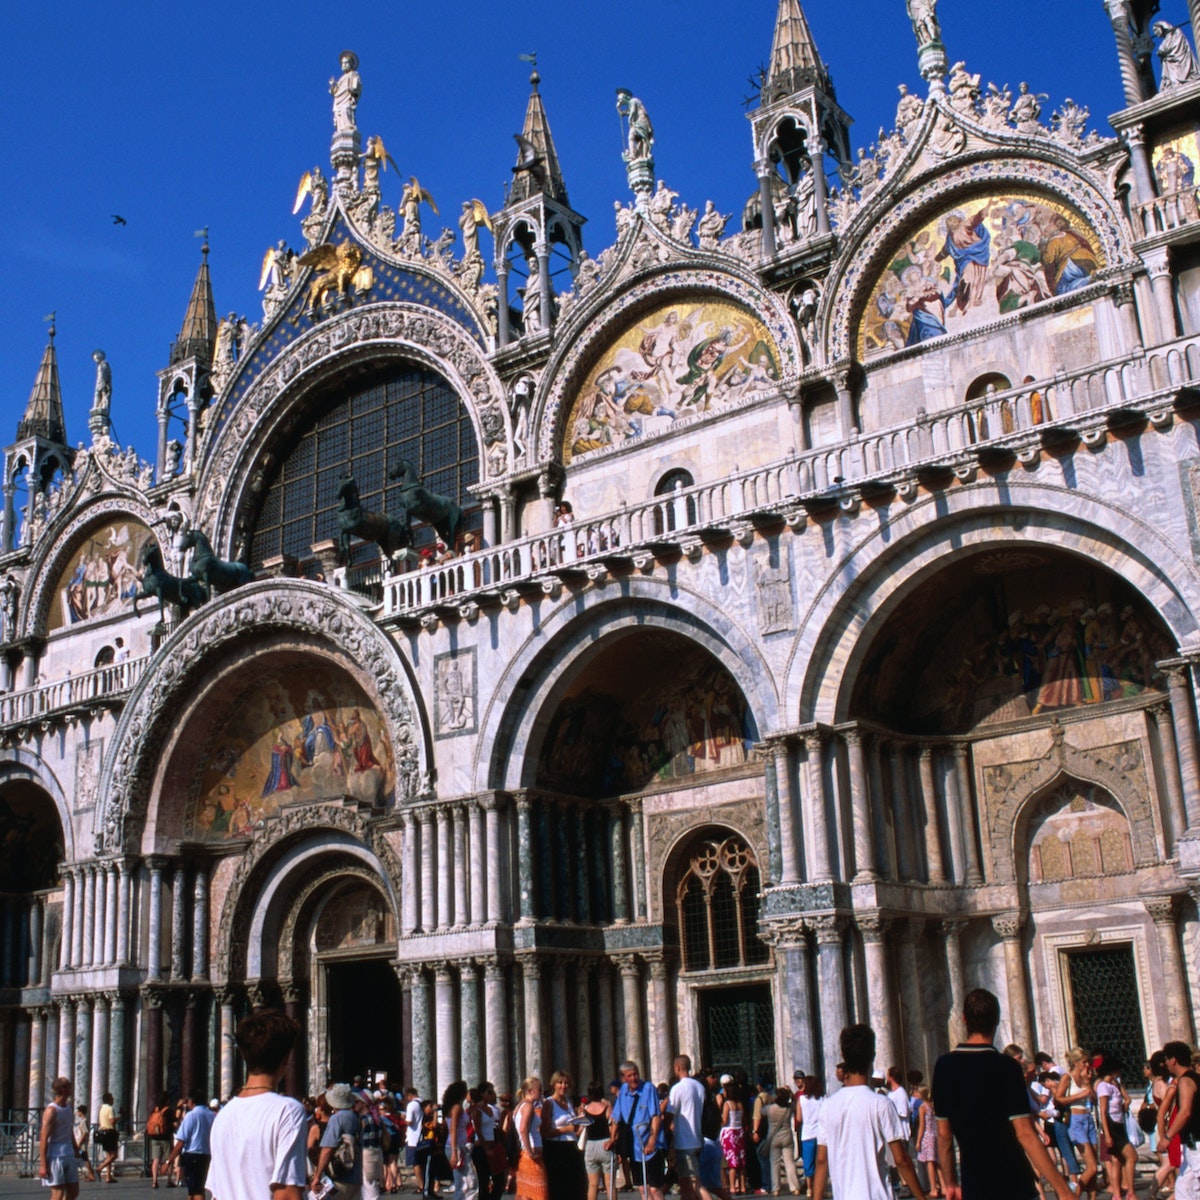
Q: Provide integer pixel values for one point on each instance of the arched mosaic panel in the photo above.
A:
(100, 578)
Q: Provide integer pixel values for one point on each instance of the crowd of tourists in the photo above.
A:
(991, 1124)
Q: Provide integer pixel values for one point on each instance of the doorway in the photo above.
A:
(364, 1019)
(1105, 1007)
(737, 1029)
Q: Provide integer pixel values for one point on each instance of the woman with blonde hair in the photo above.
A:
(531, 1174)
(566, 1177)
(1074, 1091)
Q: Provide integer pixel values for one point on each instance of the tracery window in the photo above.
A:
(717, 901)
(401, 412)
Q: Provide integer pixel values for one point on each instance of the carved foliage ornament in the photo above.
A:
(295, 606)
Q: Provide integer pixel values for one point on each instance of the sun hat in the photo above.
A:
(340, 1096)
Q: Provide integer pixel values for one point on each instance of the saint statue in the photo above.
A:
(1178, 61)
(641, 132)
(345, 92)
(923, 14)
(103, 396)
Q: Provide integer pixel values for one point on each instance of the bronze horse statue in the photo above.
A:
(390, 534)
(158, 582)
(211, 572)
(440, 511)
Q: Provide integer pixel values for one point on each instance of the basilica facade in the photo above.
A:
(771, 621)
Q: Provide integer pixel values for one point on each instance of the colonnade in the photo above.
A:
(26, 943)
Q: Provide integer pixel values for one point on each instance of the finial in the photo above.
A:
(203, 233)
(49, 319)
(531, 58)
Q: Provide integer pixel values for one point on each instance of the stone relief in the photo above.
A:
(88, 758)
(455, 692)
(776, 607)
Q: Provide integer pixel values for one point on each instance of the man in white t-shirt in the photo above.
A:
(858, 1128)
(685, 1103)
(259, 1139)
(414, 1115)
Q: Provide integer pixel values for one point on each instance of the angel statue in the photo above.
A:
(374, 160)
(411, 199)
(641, 132)
(312, 183)
(345, 91)
(474, 214)
(278, 267)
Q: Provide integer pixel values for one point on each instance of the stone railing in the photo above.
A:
(1172, 211)
(1016, 421)
(73, 692)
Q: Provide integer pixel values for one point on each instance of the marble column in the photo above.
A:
(831, 990)
(1176, 814)
(789, 818)
(37, 1056)
(1158, 267)
(111, 915)
(816, 811)
(952, 939)
(880, 987)
(766, 203)
(88, 950)
(494, 905)
(422, 1028)
(525, 898)
(820, 184)
(633, 1007)
(885, 848)
(955, 863)
(556, 995)
(581, 855)
(935, 868)
(228, 1052)
(462, 869)
(292, 992)
(962, 770)
(1185, 743)
(638, 859)
(865, 861)
(152, 1031)
(661, 1041)
(607, 1052)
(620, 860)
(531, 979)
(100, 1029)
(906, 867)
(1162, 912)
(429, 908)
(100, 933)
(905, 935)
(200, 925)
(83, 1049)
(179, 923)
(154, 932)
(445, 871)
(564, 867)
(447, 1027)
(20, 1060)
(33, 969)
(116, 1051)
(795, 958)
(66, 1037)
(472, 1048)
(77, 917)
(124, 889)
(495, 1021)
(187, 1043)
(584, 1068)
(478, 854)
(410, 875)
(1008, 928)
(65, 958)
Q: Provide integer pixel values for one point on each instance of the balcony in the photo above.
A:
(1166, 214)
(1081, 405)
(73, 694)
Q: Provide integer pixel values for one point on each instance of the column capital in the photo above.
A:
(814, 740)
(157, 863)
(443, 973)
(84, 1002)
(1008, 925)
(40, 1012)
(873, 926)
(531, 967)
(853, 737)
(493, 970)
(66, 1003)
(226, 994)
(658, 964)
(468, 967)
(258, 992)
(1161, 909)
(925, 754)
(1135, 134)
(115, 998)
(627, 965)
(828, 928)
(952, 928)
(1176, 673)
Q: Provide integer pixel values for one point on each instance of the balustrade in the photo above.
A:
(73, 691)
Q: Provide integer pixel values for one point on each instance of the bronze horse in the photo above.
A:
(169, 589)
(390, 534)
(440, 511)
(211, 572)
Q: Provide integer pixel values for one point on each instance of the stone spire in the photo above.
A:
(543, 175)
(198, 334)
(795, 63)
(44, 412)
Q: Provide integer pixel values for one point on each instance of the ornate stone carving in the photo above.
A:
(828, 928)
(1008, 925)
(291, 605)
(873, 926)
(773, 595)
(1161, 909)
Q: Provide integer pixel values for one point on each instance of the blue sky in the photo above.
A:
(182, 116)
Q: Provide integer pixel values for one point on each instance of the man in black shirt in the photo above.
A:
(1186, 1121)
(980, 1099)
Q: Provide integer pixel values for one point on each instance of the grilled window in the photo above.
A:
(717, 901)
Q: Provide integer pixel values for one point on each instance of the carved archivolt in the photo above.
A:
(849, 289)
(238, 909)
(1010, 787)
(421, 335)
(295, 606)
(566, 371)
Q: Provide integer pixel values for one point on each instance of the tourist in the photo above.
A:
(566, 1178)
(859, 1128)
(371, 1138)
(685, 1103)
(159, 1132)
(597, 1159)
(531, 1174)
(193, 1146)
(733, 1136)
(258, 1137)
(1185, 1120)
(811, 1102)
(491, 1158)
(341, 1143)
(58, 1152)
(82, 1130)
(1075, 1093)
(780, 1147)
(636, 1120)
(412, 1134)
(1112, 1106)
(926, 1139)
(458, 1151)
(981, 1101)
(107, 1137)
(320, 1114)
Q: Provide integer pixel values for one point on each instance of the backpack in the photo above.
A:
(710, 1117)
(341, 1163)
(156, 1125)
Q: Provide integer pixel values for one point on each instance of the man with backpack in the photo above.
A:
(341, 1143)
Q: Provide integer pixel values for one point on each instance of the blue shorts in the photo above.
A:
(1083, 1130)
(410, 1156)
(63, 1171)
(808, 1151)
